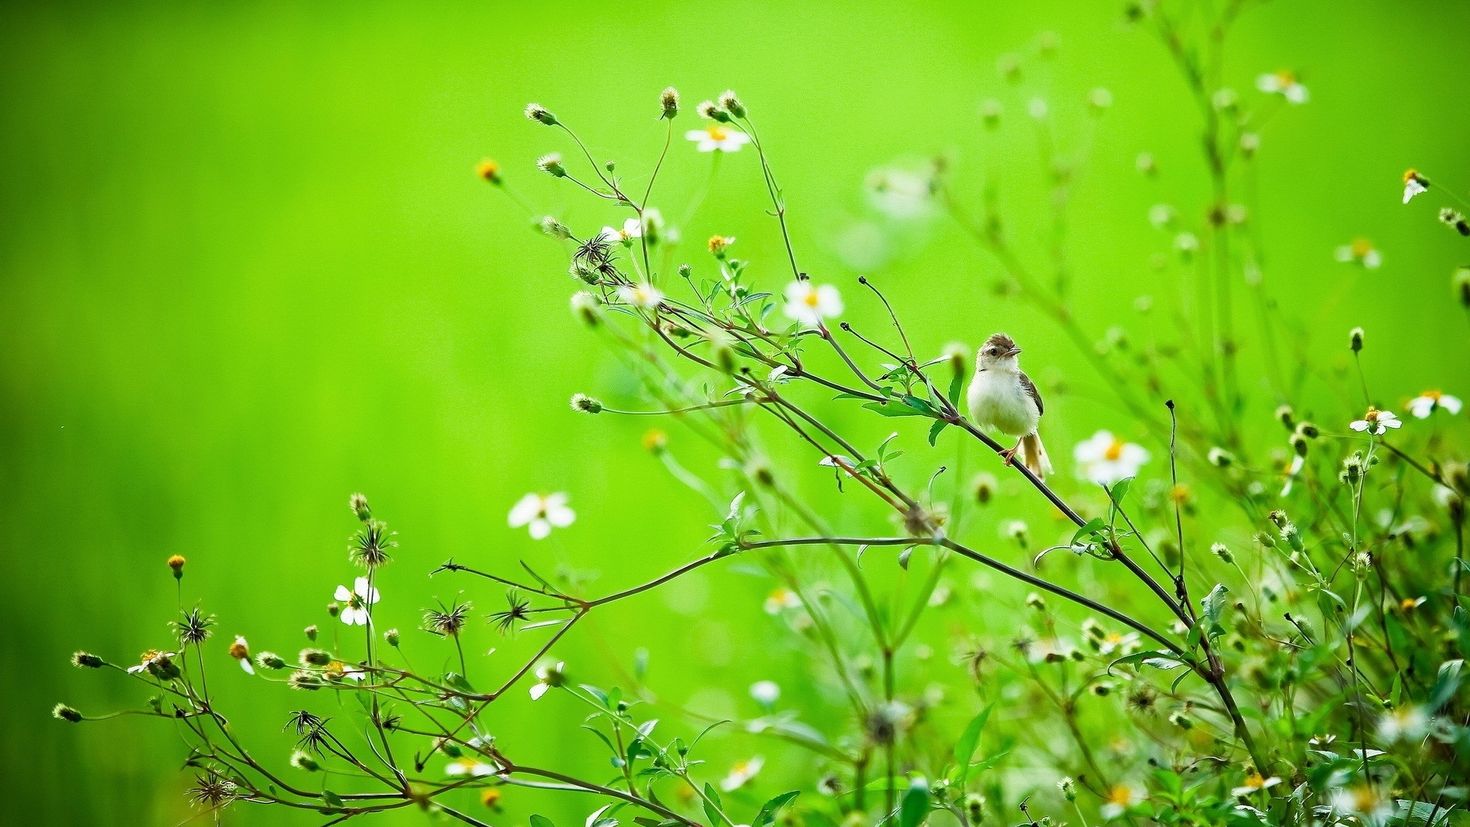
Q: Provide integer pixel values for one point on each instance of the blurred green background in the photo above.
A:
(247, 270)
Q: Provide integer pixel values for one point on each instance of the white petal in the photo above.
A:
(245, 664)
(1421, 406)
(342, 594)
(1296, 93)
(1450, 403)
(829, 301)
(561, 517)
(538, 690)
(700, 135)
(525, 510)
(540, 529)
(1359, 425)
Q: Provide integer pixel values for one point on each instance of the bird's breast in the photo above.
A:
(998, 401)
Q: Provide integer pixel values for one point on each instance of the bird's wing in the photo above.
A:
(1030, 388)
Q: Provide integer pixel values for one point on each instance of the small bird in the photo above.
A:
(1003, 397)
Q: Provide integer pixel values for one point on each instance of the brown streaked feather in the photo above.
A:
(1030, 388)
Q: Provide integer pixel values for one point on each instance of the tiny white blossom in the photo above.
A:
(1104, 459)
(717, 138)
(1414, 185)
(765, 693)
(1376, 422)
(355, 601)
(642, 295)
(632, 228)
(901, 193)
(1254, 783)
(741, 773)
(540, 513)
(470, 767)
(240, 650)
(547, 677)
(1428, 402)
(808, 304)
(1283, 83)
(1362, 802)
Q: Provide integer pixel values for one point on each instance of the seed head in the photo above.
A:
(1355, 339)
(540, 114)
(303, 760)
(551, 227)
(517, 610)
(550, 163)
(310, 632)
(62, 712)
(87, 660)
(582, 403)
(193, 626)
(586, 307)
(370, 544)
(314, 657)
(669, 99)
(710, 111)
(304, 680)
(1221, 458)
(359, 505)
(1068, 789)
(1286, 416)
(447, 621)
(391, 637)
(270, 660)
(730, 103)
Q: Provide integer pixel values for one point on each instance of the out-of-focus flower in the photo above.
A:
(1430, 401)
(780, 600)
(901, 193)
(1360, 252)
(540, 513)
(631, 229)
(1376, 422)
(1104, 459)
(1283, 83)
(240, 650)
(642, 295)
(1363, 802)
(717, 138)
(741, 773)
(1407, 723)
(1119, 799)
(1254, 783)
(765, 693)
(808, 304)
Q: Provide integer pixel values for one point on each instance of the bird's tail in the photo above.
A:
(1034, 455)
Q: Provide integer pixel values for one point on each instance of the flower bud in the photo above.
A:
(1068, 788)
(87, 660)
(540, 114)
(315, 657)
(582, 403)
(732, 104)
(310, 632)
(990, 111)
(550, 163)
(708, 109)
(1181, 720)
(1035, 601)
(586, 307)
(176, 563)
(1221, 458)
(1221, 551)
(62, 712)
(655, 441)
(1461, 284)
(551, 227)
(1355, 339)
(1286, 416)
(984, 487)
(669, 99)
(391, 637)
(488, 170)
(1299, 444)
(270, 660)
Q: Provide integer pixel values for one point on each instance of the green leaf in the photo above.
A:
(955, 383)
(541, 821)
(767, 814)
(332, 798)
(1446, 683)
(1089, 528)
(1214, 604)
(1120, 490)
(915, 805)
(964, 748)
(890, 409)
(712, 806)
(935, 429)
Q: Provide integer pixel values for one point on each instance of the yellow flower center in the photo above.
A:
(1435, 395)
(238, 651)
(1408, 603)
(1362, 247)
(1114, 451)
(1255, 781)
(1371, 415)
(1364, 800)
(1410, 175)
(1179, 493)
(1286, 77)
(490, 797)
(1122, 795)
(810, 300)
(717, 132)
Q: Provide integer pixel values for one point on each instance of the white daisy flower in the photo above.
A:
(765, 693)
(1283, 83)
(546, 677)
(1119, 799)
(1407, 723)
(154, 661)
(718, 138)
(741, 773)
(900, 193)
(240, 650)
(632, 228)
(1428, 402)
(781, 600)
(1254, 783)
(1414, 184)
(1104, 459)
(808, 304)
(1120, 644)
(355, 602)
(1376, 422)
(642, 295)
(540, 513)
(1360, 252)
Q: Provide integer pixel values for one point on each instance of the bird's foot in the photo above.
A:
(1009, 454)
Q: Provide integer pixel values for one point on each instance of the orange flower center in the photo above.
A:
(1410, 175)
(1120, 795)
(1114, 451)
(1362, 247)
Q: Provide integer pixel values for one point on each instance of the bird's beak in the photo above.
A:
(1013, 351)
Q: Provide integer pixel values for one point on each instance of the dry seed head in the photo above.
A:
(540, 114)
(669, 100)
(730, 103)
(582, 403)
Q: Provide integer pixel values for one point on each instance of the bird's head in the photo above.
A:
(998, 353)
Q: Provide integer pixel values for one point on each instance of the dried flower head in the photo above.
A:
(582, 403)
(370, 545)
(732, 104)
(447, 621)
(87, 660)
(193, 626)
(540, 114)
(669, 100)
(62, 712)
(517, 610)
(212, 790)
